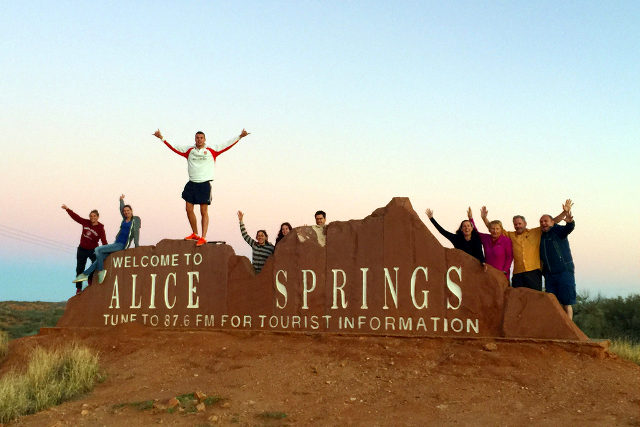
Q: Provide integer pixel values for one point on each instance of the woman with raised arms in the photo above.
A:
(466, 238)
(261, 248)
(129, 232)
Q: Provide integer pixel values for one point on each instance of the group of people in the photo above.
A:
(93, 233)
(541, 251)
(535, 253)
(200, 165)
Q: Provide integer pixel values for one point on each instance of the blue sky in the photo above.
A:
(510, 104)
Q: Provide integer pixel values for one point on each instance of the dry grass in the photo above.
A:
(51, 377)
(4, 344)
(626, 349)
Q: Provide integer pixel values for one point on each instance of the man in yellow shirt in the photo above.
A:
(527, 268)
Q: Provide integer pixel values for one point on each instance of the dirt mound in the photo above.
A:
(257, 378)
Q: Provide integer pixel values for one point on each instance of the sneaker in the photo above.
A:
(101, 276)
(80, 278)
(201, 241)
(192, 236)
(78, 291)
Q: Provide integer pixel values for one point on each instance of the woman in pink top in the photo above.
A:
(497, 247)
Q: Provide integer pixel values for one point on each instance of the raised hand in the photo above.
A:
(64, 207)
(429, 213)
(469, 214)
(157, 134)
(567, 206)
(122, 197)
(484, 212)
(243, 133)
(240, 215)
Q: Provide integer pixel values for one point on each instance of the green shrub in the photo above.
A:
(51, 377)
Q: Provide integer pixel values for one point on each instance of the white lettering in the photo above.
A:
(166, 291)
(115, 294)
(392, 288)
(305, 289)
(282, 289)
(192, 289)
(454, 288)
(152, 297)
(425, 303)
(340, 288)
(364, 288)
(133, 293)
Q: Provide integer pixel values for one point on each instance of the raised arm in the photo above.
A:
(181, 151)
(77, 218)
(221, 148)
(483, 214)
(122, 206)
(449, 236)
(243, 231)
(566, 209)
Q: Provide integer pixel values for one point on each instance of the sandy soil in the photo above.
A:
(342, 380)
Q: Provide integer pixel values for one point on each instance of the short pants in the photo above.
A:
(197, 193)
(562, 285)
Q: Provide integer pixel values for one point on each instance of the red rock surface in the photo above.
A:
(396, 277)
(332, 380)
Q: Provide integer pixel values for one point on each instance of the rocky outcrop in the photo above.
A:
(385, 274)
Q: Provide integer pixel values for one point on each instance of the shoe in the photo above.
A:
(201, 241)
(78, 291)
(80, 278)
(192, 236)
(101, 276)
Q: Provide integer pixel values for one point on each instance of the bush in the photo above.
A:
(4, 344)
(51, 377)
(611, 318)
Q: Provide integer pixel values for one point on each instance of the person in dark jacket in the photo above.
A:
(557, 262)
(92, 235)
(466, 238)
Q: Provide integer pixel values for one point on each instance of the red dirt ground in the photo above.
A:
(342, 380)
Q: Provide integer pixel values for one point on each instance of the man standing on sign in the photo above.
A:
(201, 160)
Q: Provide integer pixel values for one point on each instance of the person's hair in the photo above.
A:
(280, 235)
(519, 216)
(474, 232)
(323, 213)
(95, 211)
(497, 222)
(127, 206)
(550, 217)
(201, 133)
(266, 236)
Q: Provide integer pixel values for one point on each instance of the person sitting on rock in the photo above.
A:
(129, 232)
(92, 235)
(466, 238)
(261, 248)
(285, 228)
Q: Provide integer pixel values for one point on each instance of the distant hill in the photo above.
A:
(23, 318)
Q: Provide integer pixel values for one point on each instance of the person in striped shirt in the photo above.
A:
(261, 248)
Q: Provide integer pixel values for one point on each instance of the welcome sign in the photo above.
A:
(384, 275)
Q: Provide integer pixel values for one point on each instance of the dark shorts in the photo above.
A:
(197, 193)
(562, 285)
(529, 279)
